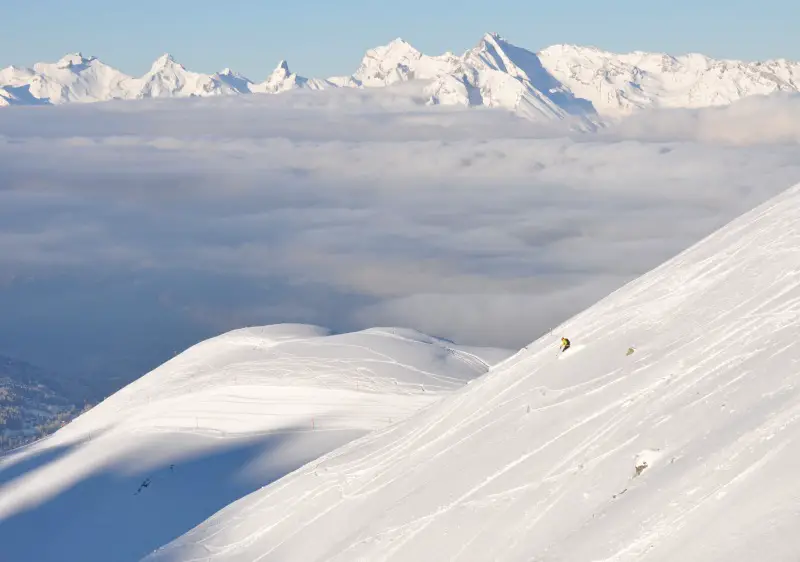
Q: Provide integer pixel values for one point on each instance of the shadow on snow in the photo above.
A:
(124, 511)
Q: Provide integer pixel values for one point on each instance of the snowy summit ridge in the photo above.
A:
(225, 417)
(670, 430)
(560, 82)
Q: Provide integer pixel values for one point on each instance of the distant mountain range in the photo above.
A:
(559, 82)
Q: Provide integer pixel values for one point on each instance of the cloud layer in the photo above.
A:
(129, 231)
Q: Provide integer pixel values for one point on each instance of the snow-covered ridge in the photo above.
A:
(221, 419)
(583, 84)
(670, 430)
(618, 84)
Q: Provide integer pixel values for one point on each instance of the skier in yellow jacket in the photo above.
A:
(564, 344)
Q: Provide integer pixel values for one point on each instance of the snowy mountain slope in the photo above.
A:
(506, 67)
(76, 78)
(685, 449)
(15, 85)
(283, 80)
(168, 78)
(582, 84)
(19, 95)
(235, 81)
(492, 74)
(216, 422)
(618, 84)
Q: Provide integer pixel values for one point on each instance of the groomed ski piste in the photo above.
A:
(684, 449)
(216, 422)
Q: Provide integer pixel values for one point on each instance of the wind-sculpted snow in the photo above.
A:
(216, 422)
(669, 431)
(582, 86)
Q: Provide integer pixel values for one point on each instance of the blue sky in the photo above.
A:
(321, 38)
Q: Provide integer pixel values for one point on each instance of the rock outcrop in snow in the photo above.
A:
(686, 449)
(560, 82)
(227, 416)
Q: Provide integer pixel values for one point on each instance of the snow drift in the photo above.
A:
(668, 432)
(216, 422)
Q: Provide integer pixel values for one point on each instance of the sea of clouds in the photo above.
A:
(131, 230)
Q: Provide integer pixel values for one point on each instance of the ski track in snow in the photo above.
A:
(227, 416)
(537, 460)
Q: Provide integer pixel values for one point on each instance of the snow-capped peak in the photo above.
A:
(493, 37)
(396, 51)
(168, 78)
(234, 80)
(228, 74)
(494, 42)
(282, 69)
(561, 81)
(492, 49)
(398, 44)
(387, 64)
(280, 80)
(619, 84)
(164, 62)
(73, 59)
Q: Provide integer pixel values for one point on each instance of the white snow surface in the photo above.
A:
(619, 84)
(685, 449)
(216, 422)
(584, 85)
(168, 78)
